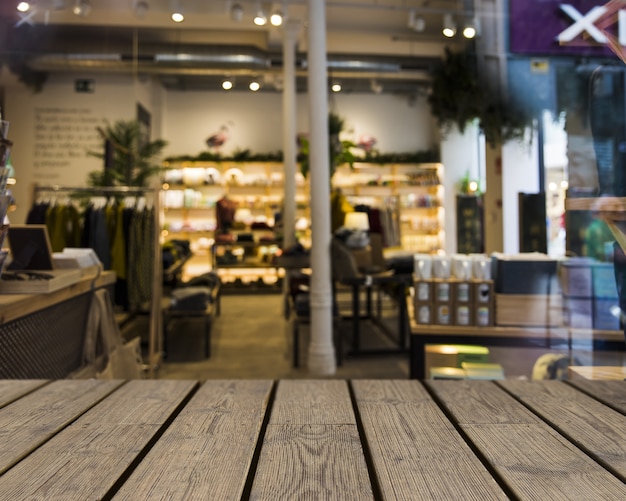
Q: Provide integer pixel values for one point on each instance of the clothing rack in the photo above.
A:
(155, 340)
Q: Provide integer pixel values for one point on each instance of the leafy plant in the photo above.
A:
(133, 159)
(340, 151)
(460, 96)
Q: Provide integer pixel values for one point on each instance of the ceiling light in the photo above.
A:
(416, 22)
(449, 27)
(254, 85)
(141, 7)
(236, 12)
(260, 19)
(336, 87)
(23, 6)
(471, 29)
(227, 84)
(276, 19)
(82, 8)
(177, 12)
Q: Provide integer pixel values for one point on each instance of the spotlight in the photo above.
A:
(254, 85)
(276, 19)
(227, 84)
(260, 19)
(449, 27)
(417, 23)
(23, 6)
(471, 29)
(336, 87)
(177, 12)
(236, 12)
(82, 8)
(141, 7)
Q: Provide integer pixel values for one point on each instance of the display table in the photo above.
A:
(312, 439)
(597, 372)
(540, 337)
(41, 335)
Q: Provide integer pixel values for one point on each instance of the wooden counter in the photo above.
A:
(42, 335)
(312, 439)
(13, 306)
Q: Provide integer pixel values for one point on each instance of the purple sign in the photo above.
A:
(551, 27)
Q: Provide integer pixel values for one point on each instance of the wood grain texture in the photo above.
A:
(12, 389)
(85, 460)
(534, 460)
(207, 451)
(587, 422)
(416, 452)
(612, 393)
(30, 421)
(312, 449)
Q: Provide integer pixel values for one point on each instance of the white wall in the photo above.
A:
(52, 130)
(254, 121)
(520, 174)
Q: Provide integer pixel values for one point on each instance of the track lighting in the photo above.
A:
(260, 19)
(236, 12)
(254, 85)
(82, 8)
(177, 12)
(416, 22)
(471, 29)
(336, 87)
(140, 7)
(276, 19)
(227, 84)
(23, 6)
(449, 26)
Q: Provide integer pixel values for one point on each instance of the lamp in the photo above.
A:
(260, 19)
(278, 16)
(357, 221)
(82, 8)
(449, 26)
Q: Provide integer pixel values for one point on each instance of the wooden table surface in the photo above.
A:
(312, 439)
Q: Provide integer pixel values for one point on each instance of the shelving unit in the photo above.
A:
(413, 191)
(190, 193)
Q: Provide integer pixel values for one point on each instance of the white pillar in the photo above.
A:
(290, 33)
(321, 359)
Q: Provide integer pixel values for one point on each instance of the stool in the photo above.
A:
(170, 314)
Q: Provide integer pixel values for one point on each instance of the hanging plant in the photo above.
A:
(459, 96)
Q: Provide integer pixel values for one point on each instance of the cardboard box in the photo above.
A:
(443, 314)
(463, 314)
(484, 303)
(529, 310)
(423, 290)
(424, 313)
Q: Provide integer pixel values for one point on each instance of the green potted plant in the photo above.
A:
(133, 159)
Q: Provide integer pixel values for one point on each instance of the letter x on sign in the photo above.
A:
(582, 24)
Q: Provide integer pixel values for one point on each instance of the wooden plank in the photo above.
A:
(534, 460)
(12, 389)
(207, 451)
(312, 448)
(588, 423)
(599, 372)
(612, 393)
(86, 459)
(415, 450)
(29, 422)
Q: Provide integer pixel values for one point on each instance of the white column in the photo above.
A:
(321, 359)
(290, 33)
